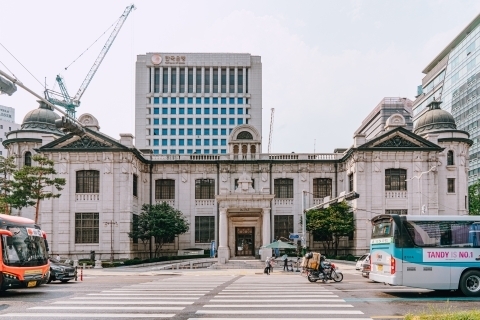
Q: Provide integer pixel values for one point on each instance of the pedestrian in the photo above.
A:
(57, 257)
(267, 266)
(272, 261)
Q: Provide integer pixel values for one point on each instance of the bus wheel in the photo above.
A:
(470, 283)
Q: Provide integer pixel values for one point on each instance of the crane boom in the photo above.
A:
(271, 130)
(104, 51)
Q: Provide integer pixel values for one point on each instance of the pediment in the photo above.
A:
(86, 142)
(90, 141)
(397, 141)
(399, 138)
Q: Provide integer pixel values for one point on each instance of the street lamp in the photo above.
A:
(421, 208)
(111, 223)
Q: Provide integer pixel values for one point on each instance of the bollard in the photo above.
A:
(81, 274)
(178, 266)
(76, 268)
(191, 265)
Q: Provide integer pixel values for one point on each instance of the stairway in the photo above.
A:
(239, 264)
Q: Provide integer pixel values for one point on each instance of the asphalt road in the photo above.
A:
(241, 294)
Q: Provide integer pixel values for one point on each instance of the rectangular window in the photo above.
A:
(214, 110)
(231, 110)
(231, 121)
(471, 65)
(86, 227)
(215, 121)
(164, 110)
(134, 226)
(350, 182)
(155, 151)
(206, 121)
(190, 121)
(164, 142)
(215, 131)
(204, 229)
(224, 81)
(206, 110)
(206, 142)
(181, 110)
(223, 151)
(198, 142)
(181, 132)
(173, 110)
(173, 142)
(164, 132)
(246, 83)
(240, 101)
(199, 79)
(173, 132)
(283, 188)
(240, 82)
(181, 121)
(470, 48)
(455, 77)
(224, 142)
(173, 121)
(223, 100)
(189, 142)
(231, 80)
(215, 80)
(214, 142)
(164, 151)
(215, 100)
(451, 185)
(190, 81)
(207, 82)
(87, 181)
(164, 189)
(224, 132)
(156, 142)
(198, 110)
(165, 79)
(173, 80)
(223, 110)
(198, 121)
(156, 110)
(135, 185)
(395, 180)
(164, 100)
(231, 100)
(156, 100)
(215, 151)
(156, 80)
(189, 100)
(322, 187)
(189, 132)
(198, 100)
(204, 189)
(156, 121)
(181, 142)
(239, 110)
(282, 226)
(182, 80)
(223, 121)
(206, 100)
(181, 151)
(206, 132)
(239, 121)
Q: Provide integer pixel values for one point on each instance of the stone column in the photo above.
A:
(264, 252)
(223, 250)
(152, 80)
(160, 80)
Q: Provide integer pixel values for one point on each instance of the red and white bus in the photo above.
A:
(24, 254)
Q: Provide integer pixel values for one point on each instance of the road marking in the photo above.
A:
(236, 312)
(411, 299)
(269, 290)
(121, 302)
(114, 293)
(107, 308)
(279, 296)
(92, 315)
(276, 300)
(277, 305)
(296, 318)
(134, 298)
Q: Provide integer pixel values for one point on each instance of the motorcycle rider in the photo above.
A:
(322, 265)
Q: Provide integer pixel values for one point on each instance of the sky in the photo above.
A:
(326, 64)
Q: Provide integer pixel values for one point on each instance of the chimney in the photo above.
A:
(126, 139)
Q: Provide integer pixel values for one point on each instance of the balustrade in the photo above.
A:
(87, 197)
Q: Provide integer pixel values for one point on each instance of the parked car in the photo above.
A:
(366, 267)
(361, 260)
(61, 271)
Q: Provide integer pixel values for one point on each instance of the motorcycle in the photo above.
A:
(330, 272)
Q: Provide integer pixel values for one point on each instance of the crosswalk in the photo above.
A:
(205, 297)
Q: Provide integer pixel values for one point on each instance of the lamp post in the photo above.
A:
(420, 195)
(111, 223)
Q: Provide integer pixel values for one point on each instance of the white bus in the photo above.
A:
(431, 252)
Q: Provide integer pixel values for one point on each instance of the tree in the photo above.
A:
(330, 224)
(160, 221)
(7, 168)
(140, 229)
(32, 184)
(474, 198)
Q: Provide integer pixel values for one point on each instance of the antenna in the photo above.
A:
(271, 130)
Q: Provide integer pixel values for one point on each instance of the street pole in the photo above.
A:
(111, 223)
(304, 224)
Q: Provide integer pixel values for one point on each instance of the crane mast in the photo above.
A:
(271, 130)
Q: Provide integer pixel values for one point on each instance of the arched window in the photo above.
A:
(235, 148)
(253, 149)
(395, 179)
(245, 135)
(450, 158)
(28, 159)
(244, 148)
(88, 181)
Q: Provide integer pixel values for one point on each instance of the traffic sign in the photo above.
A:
(294, 236)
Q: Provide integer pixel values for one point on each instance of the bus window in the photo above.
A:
(444, 233)
(382, 228)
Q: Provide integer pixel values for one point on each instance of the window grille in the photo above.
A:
(135, 185)
(283, 188)
(88, 181)
(28, 159)
(395, 180)
(451, 185)
(204, 229)
(450, 158)
(204, 189)
(322, 187)
(86, 228)
(282, 226)
(164, 189)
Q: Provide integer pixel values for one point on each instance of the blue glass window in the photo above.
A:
(190, 110)
(181, 120)
(181, 132)
(164, 132)
(156, 121)
(173, 142)
(198, 142)
(189, 142)
(164, 151)
(190, 151)
(173, 151)
(223, 121)
(215, 110)
(155, 151)
(215, 151)
(164, 120)
(198, 132)
(164, 142)
(173, 110)
(164, 100)
(181, 142)
(206, 100)
(215, 121)
(198, 151)
(190, 121)
(198, 120)
(174, 100)
(239, 121)
(224, 132)
(206, 142)
(231, 110)
(156, 110)
(231, 101)
(198, 110)
(173, 132)
(215, 142)
(223, 111)
(156, 100)
(224, 142)
(239, 110)
(198, 100)
(181, 151)
(181, 110)
(206, 132)
(223, 100)
(240, 101)
(156, 142)
(206, 121)
(229, 131)
(189, 132)
(206, 151)
(173, 121)
(155, 132)
(190, 100)
(215, 100)
(223, 151)
(206, 110)
(231, 121)
(215, 132)
(164, 110)
(181, 100)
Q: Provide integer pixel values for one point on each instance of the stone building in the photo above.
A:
(243, 199)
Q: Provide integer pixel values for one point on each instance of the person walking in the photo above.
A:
(272, 262)
(267, 266)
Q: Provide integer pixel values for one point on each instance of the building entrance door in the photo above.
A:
(244, 241)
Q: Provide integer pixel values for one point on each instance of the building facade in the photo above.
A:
(453, 77)
(242, 199)
(7, 124)
(189, 103)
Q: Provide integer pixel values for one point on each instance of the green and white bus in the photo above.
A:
(431, 252)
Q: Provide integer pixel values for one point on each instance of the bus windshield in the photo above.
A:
(382, 228)
(26, 248)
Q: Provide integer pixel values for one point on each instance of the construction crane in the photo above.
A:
(271, 130)
(62, 98)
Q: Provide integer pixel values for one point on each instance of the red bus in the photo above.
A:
(24, 254)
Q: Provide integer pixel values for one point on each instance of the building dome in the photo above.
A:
(434, 119)
(41, 119)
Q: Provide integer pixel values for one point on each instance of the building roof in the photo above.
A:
(434, 119)
(41, 119)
